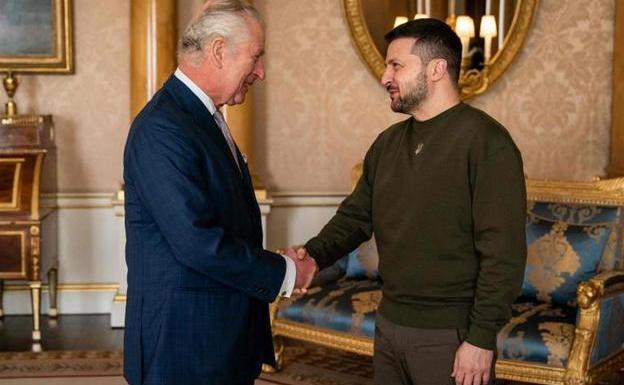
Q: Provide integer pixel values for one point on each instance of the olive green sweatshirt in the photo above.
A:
(446, 200)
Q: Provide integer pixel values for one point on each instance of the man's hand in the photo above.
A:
(472, 365)
(306, 267)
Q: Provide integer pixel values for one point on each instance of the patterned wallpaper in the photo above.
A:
(319, 109)
(90, 107)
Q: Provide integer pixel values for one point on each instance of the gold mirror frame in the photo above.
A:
(473, 82)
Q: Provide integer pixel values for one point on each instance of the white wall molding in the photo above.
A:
(307, 199)
(89, 259)
(298, 216)
(91, 240)
(77, 298)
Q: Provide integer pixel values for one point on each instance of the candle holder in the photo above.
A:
(451, 20)
(10, 85)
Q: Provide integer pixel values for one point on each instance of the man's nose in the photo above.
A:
(386, 78)
(259, 69)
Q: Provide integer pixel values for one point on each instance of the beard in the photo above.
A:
(414, 96)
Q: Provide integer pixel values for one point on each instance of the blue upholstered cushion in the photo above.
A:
(568, 244)
(363, 261)
(538, 332)
(610, 333)
(346, 305)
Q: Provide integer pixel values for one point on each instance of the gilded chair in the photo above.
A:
(567, 325)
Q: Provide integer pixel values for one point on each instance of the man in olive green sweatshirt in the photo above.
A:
(444, 193)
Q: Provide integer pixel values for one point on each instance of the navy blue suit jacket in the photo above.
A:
(199, 281)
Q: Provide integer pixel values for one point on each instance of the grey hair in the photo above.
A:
(218, 19)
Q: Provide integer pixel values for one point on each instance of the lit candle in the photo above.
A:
(488, 7)
(419, 6)
(464, 27)
(399, 20)
(487, 31)
(428, 8)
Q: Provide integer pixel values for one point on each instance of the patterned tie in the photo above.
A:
(218, 116)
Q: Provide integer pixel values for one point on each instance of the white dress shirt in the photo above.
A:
(291, 272)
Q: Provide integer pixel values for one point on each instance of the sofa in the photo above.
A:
(567, 324)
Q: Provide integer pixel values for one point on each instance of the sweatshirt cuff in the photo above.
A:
(314, 247)
(480, 337)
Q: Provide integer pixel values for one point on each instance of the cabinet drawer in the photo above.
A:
(14, 249)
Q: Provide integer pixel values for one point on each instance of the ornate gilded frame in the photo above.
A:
(60, 59)
(590, 294)
(473, 82)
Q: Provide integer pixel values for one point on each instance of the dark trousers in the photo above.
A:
(410, 356)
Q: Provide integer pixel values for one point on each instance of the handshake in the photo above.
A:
(306, 267)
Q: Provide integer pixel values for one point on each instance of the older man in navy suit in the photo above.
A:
(199, 280)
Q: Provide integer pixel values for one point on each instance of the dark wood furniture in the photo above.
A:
(27, 165)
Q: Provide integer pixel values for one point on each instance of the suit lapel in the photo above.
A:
(191, 104)
(249, 190)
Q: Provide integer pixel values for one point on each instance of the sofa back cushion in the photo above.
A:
(568, 244)
(363, 262)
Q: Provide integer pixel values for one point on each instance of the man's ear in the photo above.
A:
(216, 51)
(438, 69)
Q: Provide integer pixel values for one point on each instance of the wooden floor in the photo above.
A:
(68, 332)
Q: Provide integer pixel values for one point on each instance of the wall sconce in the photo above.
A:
(465, 29)
(487, 31)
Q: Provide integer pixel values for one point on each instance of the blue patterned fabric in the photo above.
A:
(568, 244)
(538, 332)
(346, 305)
(356, 269)
(363, 261)
(610, 334)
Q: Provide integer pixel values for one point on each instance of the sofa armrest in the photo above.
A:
(591, 297)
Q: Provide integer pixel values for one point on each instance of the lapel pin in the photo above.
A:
(418, 148)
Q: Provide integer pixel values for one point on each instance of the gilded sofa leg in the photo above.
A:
(278, 345)
(52, 287)
(278, 342)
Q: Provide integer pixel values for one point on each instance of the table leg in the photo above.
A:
(35, 296)
(52, 287)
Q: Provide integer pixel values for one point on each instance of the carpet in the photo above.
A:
(60, 364)
(311, 365)
(303, 365)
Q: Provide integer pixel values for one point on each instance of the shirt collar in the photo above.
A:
(205, 99)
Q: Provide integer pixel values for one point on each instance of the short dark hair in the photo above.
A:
(434, 40)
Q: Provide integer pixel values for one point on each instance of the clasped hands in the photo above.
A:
(306, 267)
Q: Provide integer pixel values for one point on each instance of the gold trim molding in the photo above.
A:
(608, 192)
(68, 287)
(473, 82)
(328, 338)
(616, 163)
(62, 59)
(21, 120)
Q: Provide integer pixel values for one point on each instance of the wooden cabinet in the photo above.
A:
(27, 167)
